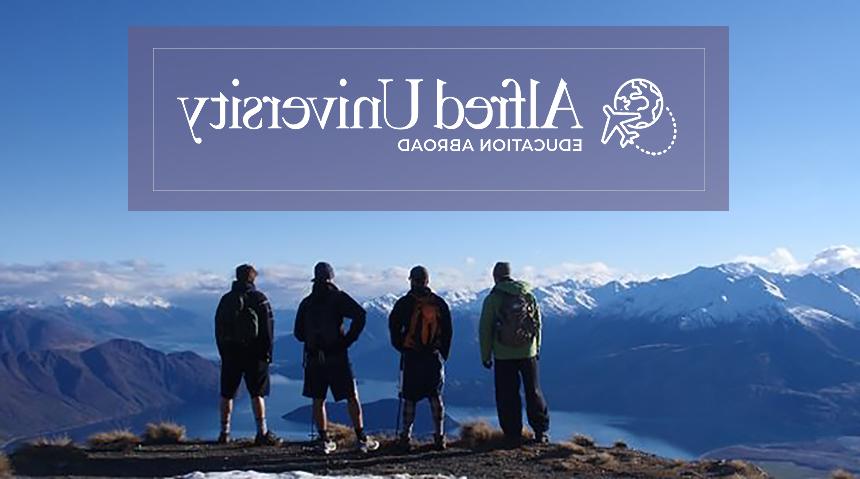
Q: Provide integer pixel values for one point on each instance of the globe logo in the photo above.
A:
(640, 96)
(637, 105)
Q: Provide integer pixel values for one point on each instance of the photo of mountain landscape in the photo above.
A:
(708, 362)
(602, 239)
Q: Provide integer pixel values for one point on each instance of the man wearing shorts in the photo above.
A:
(420, 329)
(244, 328)
(319, 325)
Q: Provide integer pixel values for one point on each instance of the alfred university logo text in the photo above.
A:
(428, 118)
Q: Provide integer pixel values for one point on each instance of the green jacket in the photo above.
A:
(490, 347)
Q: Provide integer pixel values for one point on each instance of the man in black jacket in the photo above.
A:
(244, 332)
(420, 328)
(319, 325)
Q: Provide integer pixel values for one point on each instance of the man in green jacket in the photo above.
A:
(510, 333)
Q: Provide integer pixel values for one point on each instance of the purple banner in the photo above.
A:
(537, 118)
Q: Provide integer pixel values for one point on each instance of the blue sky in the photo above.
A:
(794, 166)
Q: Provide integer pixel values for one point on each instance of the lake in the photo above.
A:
(202, 419)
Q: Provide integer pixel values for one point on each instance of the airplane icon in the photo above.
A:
(617, 121)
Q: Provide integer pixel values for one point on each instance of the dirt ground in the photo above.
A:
(479, 461)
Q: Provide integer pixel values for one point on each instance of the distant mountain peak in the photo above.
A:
(110, 301)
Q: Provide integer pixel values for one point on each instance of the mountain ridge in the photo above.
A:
(54, 389)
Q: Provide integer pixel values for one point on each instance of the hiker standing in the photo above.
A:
(244, 331)
(420, 328)
(319, 325)
(510, 333)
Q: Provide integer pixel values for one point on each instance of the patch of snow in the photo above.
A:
(301, 475)
(383, 304)
(811, 317)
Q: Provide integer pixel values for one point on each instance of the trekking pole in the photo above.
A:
(399, 395)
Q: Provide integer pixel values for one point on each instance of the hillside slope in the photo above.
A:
(56, 389)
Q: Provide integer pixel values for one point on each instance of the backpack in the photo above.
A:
(241, 325)
(423, 330)
(517, 321)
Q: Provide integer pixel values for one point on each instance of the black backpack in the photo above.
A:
(517, 321)
(241, 324)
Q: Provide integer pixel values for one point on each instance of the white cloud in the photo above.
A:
(831, 260)
(289, 283)
(834, 259)
(594, 273)
(132, 282)
(779, 260)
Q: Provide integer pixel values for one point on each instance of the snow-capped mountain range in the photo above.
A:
(705, 296)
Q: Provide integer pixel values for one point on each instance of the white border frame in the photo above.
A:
(704, 125)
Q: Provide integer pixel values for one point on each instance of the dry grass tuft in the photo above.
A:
(575, 449)
(583, 440)
(479, 433)
(165, 432)
(341, 434)
(603, 459)
(116, 440)
(48, 450)
(619, 444)
(841, 474)
(52, 441)
(5, 466)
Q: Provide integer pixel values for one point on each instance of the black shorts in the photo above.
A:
(255, 371)
(423, 375)
(329, 372)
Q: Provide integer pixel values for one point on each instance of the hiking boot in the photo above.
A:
(512, 442)
(366, 444)
(439, 442)
(404, 444)
(542, 438)
(224, 438)
(268, 439)
(326, 446)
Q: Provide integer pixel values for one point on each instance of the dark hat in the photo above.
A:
(323, 272)
(502, 270)
(419, 273)
(243, 272)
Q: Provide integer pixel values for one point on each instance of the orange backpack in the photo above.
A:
(423, 331)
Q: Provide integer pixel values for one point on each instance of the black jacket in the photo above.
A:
(319, 319)
(401, 314)
(262, 348)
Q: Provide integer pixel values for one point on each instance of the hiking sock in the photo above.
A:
(262, 429)
(225, 424)
(408, 417)
(437, 409)
(359, 433)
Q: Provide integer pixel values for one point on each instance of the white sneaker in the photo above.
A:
(367, 444)
(327, 447)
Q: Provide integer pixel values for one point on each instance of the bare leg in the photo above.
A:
(354, 407)
(437, 410)
(226, 411)
(408, 418)
(320, 416)
(258, 405)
